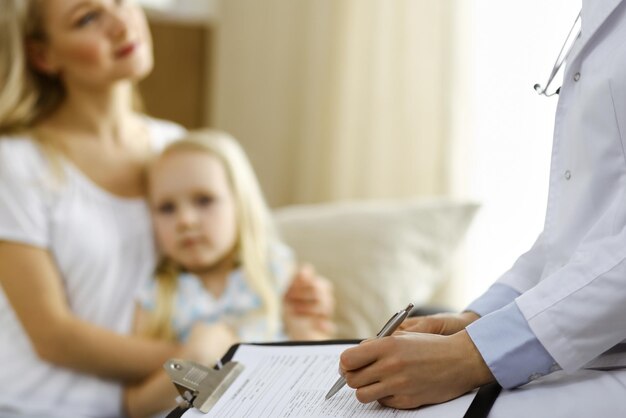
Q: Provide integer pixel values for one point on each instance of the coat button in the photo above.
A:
(576, 76)
(567, 175)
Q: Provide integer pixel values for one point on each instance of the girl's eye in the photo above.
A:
(87, 18)
(166, 208)
(204, 200)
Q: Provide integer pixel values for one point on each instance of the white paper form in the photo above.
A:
(292, 381)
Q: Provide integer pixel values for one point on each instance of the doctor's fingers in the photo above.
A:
(388, 385)
(442, 324)
(391, 383)
(363, 354)
(365, 376)
(425, 324)
(403, 401)
(378, 391)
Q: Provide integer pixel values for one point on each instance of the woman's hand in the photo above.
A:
(442, 324)
(408, 370)
(308, 306)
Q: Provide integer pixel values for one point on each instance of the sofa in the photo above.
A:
(379, 255)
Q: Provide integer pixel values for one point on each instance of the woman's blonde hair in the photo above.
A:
(255, 231)
(26, 95)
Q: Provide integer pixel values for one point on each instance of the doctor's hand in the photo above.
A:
(408, 370)
(442, 324)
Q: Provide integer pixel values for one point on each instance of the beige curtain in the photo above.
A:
(339, 99)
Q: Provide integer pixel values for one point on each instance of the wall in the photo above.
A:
(179, 88)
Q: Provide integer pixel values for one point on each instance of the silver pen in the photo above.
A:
(391, 325)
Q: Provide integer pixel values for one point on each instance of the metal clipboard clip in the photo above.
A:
(199, 386)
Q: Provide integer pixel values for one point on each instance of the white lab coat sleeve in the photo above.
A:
(578, 311)
(502, 335)
(527, 269)
(497, 296)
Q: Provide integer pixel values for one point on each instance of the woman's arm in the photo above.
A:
(156, 394)
(33, 286)
(206, 344)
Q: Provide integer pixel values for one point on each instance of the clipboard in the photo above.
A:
(200, 387)
(227, 371)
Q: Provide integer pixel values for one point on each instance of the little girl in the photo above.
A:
(223, 269)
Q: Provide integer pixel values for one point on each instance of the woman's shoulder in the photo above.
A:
(162, 132)
(18, 144)
(20, 155)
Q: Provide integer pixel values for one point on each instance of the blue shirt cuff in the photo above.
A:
(510, 348)
(496, 297)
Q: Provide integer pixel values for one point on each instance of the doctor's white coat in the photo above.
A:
(573, 279)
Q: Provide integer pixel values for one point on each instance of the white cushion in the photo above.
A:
(380, 255)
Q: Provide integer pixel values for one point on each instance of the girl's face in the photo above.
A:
(193, 209)
(93, 42)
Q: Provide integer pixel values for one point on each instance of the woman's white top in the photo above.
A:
(104, 250)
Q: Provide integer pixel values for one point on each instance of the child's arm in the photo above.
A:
(308, 306)
(206, 344)
(31, 282)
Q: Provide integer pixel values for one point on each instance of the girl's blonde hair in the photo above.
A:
(255, 231)
(26, 95)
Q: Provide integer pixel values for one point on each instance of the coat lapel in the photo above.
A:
(594, 13)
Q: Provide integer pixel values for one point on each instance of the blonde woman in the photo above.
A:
(222, 264)
(75, 236)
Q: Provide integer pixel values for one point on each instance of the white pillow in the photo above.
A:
(380, 255)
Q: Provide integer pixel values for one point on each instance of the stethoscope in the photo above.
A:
(561, 58)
